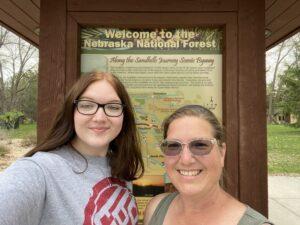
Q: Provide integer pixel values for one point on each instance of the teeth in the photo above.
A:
(189, 172)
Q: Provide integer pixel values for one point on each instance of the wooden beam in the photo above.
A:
(153, 5)
(252, 105)
(19, 29)
(51, 85)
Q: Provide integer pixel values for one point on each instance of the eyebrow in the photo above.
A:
(93, 100)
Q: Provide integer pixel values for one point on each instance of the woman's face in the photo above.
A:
(192, 174)
(95, 132)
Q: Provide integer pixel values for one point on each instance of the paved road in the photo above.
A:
(284, 200)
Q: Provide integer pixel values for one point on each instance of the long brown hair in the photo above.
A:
(125, 157)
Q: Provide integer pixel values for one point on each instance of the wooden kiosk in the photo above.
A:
(244, 107)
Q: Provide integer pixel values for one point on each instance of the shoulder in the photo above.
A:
(44, 157)
(23, 176)
(29, 168)
(251, 216)
(23, 166)
(152, 205)
(38, 164)
(51, 159)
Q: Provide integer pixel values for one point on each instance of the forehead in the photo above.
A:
(189, 127)
(100, 90)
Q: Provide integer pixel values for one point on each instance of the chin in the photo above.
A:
(188, 190)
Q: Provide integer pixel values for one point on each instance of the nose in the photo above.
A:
(186, 156)
(99, 115)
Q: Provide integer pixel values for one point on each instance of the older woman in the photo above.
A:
(194, 152)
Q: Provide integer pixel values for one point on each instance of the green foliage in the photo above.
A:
(28, 99)
(283, 149)
(289, 96)
(24, 131)
(11, 119)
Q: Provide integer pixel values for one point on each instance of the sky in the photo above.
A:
(10, 58)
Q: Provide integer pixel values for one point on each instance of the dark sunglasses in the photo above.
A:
(201, 146)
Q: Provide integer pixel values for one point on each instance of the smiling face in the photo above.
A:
(95, 132)
(190, 174)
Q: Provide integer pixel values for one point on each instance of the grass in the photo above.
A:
(23, 132)
(283, 149)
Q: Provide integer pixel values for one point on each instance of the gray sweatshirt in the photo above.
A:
(50, 188)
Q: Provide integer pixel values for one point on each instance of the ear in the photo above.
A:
(223, 153)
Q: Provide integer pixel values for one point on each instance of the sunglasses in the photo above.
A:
(201, 146)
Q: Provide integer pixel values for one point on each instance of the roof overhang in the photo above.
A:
(282, 19)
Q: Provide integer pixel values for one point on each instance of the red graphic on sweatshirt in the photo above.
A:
(111, 203)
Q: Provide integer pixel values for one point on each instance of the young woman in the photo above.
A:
(194, 151)
(79, 173)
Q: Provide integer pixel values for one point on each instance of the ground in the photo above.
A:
(16, 151)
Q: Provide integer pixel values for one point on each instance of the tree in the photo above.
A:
(282, 52)
(281, 60)
(290, 91)
(3, 37)
(18, 70)
(28, 100)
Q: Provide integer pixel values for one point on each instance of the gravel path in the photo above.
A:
(16, 150)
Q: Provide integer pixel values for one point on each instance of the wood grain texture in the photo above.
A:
(36, 2)
(230, 105)
(15, 26)
(51, 85)
(283, 24)
(19, 14)
(148, 19)
(152, 5)
(29, 8)
(291, 28)
(252, 106)
(73, 52)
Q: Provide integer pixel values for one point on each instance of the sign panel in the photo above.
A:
(162, 70)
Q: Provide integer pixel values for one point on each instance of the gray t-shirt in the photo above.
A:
(51, 188)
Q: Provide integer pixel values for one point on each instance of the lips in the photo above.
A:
(190, 173)
(99, 129)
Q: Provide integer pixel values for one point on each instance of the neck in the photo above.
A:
(88, 150)
(203, 205)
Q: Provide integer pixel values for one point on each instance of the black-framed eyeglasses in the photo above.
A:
(87, 107)
(200, 146)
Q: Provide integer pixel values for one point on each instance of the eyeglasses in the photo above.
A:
(86, 107)
(201, 146)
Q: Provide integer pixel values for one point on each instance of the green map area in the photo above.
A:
(151, 109)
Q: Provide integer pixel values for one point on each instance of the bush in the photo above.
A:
(11, 119)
